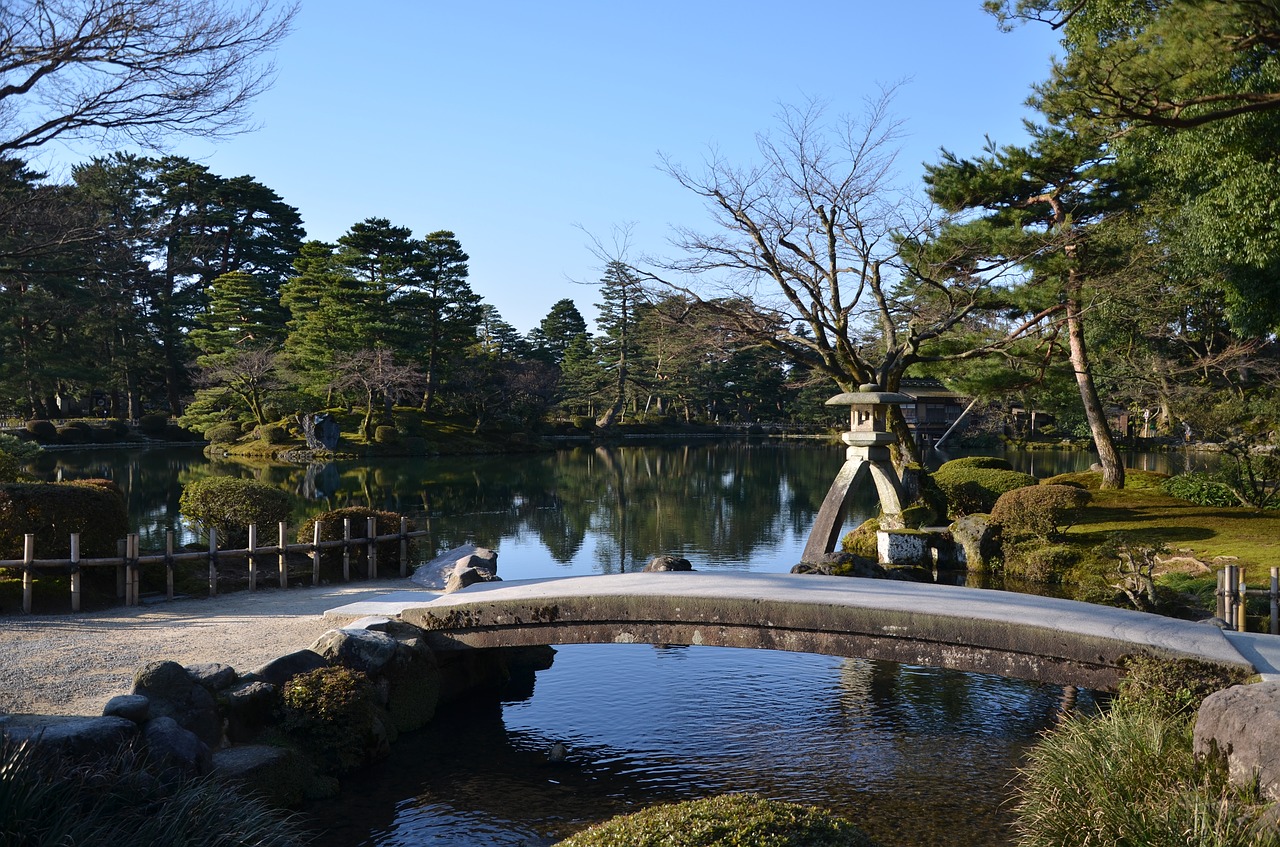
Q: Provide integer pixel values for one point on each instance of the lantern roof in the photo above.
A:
(870, 395)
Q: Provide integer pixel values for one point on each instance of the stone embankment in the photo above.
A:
(203, 717)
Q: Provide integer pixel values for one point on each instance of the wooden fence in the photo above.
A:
(129, 562)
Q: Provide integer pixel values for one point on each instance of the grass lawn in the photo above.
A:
(1150, 516)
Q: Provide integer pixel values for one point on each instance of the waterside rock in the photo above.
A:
(660, 564)
(1242, 723)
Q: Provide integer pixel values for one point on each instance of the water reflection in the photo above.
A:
(916, 756)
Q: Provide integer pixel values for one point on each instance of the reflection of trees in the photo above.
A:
(712, 502)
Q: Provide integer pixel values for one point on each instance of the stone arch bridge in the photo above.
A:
(1014, 635)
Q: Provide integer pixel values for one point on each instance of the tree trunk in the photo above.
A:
(1112, 467)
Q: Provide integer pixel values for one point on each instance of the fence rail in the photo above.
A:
(129, 561)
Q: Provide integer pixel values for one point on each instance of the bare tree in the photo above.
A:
(818, 254)
(375, 374)
(132, 70)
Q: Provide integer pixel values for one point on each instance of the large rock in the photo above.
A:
(174, 694)
(464, 575)
(214, 676)
(281, 670)
(71, 737)
(249, 708)
(132, 707)
(660, 564)
(176, 748)
(361, 650)
(435, 573)
(1243, 723)
(281, 775)
(978, 538)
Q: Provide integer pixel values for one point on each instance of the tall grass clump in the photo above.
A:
(48, 801)
(1129, 777)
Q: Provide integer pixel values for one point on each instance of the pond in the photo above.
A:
(917, 756)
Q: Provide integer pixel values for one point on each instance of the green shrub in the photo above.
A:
(730, 820)
(1039, 511)
(1200, 488)
(230, 505)
(386, 435)
(153, 425)
(54, 510)
(273, 434)
(331, 713)
(42, 431)
(993, 463)
(23, 451)
(10, 467)
(222, 433)
(862, 541)
(73, 433)
(973, 491)
(49, 801)
(1033, 560)
(331, 530)
(1175, 687)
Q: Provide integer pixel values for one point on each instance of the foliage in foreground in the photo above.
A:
(46, 801)
(52, 511)
(730, 820)
(1129, 777)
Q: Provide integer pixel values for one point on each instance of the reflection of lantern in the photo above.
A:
(868, 441)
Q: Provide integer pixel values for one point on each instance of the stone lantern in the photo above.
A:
(868, 440)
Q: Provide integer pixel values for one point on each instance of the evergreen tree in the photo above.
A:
(623, 294)
(439, 310)
(551, 338)
(330, 316)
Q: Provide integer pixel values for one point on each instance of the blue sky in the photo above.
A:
(518, 124)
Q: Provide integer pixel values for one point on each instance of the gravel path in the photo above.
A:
(72, 664)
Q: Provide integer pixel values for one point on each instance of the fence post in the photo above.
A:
(28, 578)
(213, 562)
(75, 571)
(404, 546)
(1220, 595)
(346, 549)
(133, 586)
(373, 547)
(168, 564)
(284, 564)
(1275, 601)
(1242, 619)
(315, 554)
(253, 560)
(122, 578)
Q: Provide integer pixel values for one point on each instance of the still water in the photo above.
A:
(917, 756)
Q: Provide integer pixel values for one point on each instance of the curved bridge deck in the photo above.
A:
(1015, 635)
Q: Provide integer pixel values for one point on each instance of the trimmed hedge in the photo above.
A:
(728, 820)
(43, 431)
(973, 491)
(331, 530)
(1039, 511)
(993, 463)
(153, 425)
(54, 510)
(230, 505)
(223, 433)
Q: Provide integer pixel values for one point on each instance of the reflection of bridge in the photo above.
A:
(1015, 635)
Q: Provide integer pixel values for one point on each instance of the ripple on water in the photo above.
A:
(916, 756)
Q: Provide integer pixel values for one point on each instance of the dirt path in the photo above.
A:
(72, 664)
